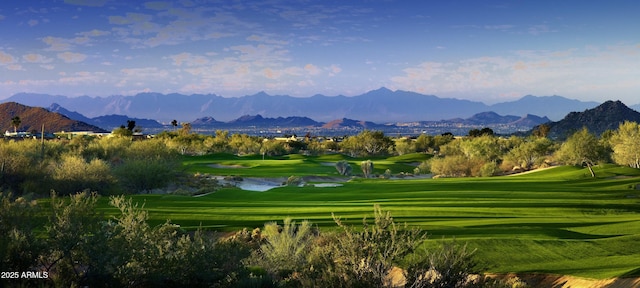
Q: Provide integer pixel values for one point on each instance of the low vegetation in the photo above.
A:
(64, 213)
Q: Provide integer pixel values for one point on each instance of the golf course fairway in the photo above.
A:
(554, 221)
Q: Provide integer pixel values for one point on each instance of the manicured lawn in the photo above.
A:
(558, 221)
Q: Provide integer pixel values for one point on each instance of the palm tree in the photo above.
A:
(174, 123)
(15, 121)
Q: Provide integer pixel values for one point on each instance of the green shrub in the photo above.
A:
(139, 175)
(73, 174)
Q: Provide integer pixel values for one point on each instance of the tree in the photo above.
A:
(367, 143)
(122, 132)
(481, 132)
(529, 153)
(15, 121)
(186, 129)
(424, 143)
(625, 143)
(343, 168)
(367, 168)
(581, 148)
(131, 124)
(541, 130)
(374, 142)
(405, 146)
(174, 123)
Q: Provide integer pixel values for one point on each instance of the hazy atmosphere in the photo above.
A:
(487, 51)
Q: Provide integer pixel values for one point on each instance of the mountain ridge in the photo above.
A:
(380, 105)
(32, 119)
(606, 116)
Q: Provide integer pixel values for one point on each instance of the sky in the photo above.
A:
(489, 51)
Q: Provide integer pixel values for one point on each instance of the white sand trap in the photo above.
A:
(220, 166)
(325, 185)
(205, 194)
(255, 187)
(259, 184)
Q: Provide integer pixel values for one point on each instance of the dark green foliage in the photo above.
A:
(367, 143)
(480, 132)
(82, 249)
(19, 248)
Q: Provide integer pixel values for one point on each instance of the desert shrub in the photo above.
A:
(489, 169)
(387, 174)
(73, 174)
(364, 257)
(367, 168)
(108, 149)
(343, 168)
(293, 181)
(405, 146)
(19, 246)
(273, 148)
(167, 256)
(21, 167)
(285, 250)
(139, 175)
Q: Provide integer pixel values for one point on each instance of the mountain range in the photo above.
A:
(606, 116)
(380, 106)
(108, 122)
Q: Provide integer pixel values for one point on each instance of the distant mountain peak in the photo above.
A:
(32, 118)
(606, 116)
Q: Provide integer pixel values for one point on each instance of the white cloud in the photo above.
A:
(94, 33)
(56, 43)
(312, 69)
(6, 58)
(83, 78)
(70, 57)
(36, 58)
(578, 73)
(189, 59)
(15, 67)
(33, 22)
(137, 77)
(334, 70)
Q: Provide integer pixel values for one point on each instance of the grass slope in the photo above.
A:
(558, 221)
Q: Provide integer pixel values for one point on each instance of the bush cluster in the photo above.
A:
(105, 165)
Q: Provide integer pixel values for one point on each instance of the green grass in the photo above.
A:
(295, 164)
(558, 221)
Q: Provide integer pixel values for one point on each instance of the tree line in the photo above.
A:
(116, 165)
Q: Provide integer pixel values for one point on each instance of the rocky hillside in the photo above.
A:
(607, 116)
(32, 118)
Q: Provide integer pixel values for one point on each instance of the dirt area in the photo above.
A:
(396, 279)
(559, 281)
(530, 171)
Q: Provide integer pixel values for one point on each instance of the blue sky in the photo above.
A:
(489, 51)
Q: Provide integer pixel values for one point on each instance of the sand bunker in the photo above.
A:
(324, 185)
(221, 166)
